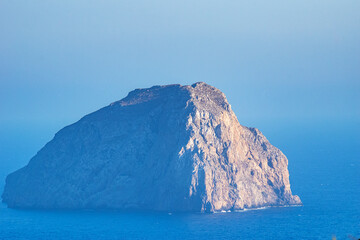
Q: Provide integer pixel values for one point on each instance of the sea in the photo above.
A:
(324, 165)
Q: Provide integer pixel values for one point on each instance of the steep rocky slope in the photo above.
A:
(165, 148)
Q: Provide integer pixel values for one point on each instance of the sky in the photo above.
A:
(278, 62)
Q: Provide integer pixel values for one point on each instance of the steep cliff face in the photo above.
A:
(165, 148)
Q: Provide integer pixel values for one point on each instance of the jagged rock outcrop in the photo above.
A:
(165, 148)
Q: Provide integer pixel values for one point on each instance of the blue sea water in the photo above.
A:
(324, 164)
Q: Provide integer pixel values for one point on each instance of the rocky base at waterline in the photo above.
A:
(165, 148)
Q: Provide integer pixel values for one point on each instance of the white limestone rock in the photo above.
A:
(165, 148)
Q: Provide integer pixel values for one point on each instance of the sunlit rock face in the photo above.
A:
(165, 148)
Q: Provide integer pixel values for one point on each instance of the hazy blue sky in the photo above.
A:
(277, 61)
